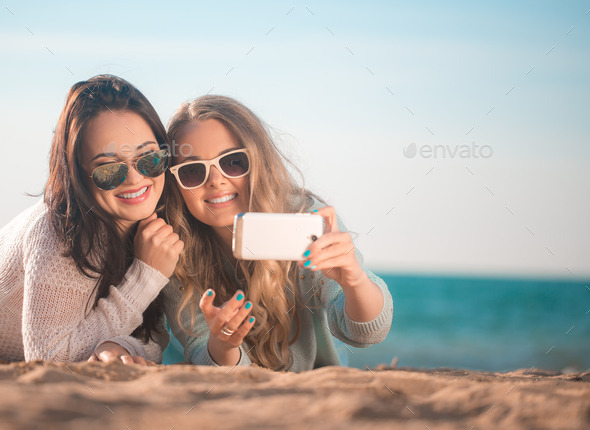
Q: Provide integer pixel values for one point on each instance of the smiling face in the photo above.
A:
(219, 199)
(118, 136)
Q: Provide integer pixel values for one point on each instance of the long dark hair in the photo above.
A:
(90, 236)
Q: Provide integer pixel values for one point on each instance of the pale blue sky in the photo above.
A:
(346, 87)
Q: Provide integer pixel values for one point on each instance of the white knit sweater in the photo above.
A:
(43, 298)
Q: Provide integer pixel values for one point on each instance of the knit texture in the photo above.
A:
(323, 317)
(46, 303)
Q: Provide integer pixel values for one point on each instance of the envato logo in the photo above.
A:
(127, 150)
(448, 151)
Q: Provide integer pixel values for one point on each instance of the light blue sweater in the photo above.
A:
(323, 317)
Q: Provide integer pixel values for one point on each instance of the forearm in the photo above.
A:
(55, 325)
(364, 301)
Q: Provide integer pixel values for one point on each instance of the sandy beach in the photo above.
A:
(113, 396)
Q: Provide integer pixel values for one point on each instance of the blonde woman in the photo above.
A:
(276, 314)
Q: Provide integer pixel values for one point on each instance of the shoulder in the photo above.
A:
(38, 229)
(30, 243)
(314, 202)
(303, 200)
(32, 231)
(29, 224)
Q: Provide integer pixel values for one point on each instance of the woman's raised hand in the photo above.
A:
(228, 325)
(333, 253)
(157, 245)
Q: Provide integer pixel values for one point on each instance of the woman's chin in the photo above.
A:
(218, 222)
(135, 215)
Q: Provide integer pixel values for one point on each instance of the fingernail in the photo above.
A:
(306, 253)
(251, 320)
(315, 210)
(248, 305)
(312, 267)
(307, 263)
(240, 297)
(209, 293)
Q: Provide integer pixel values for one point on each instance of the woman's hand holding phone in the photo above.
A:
(333, 254)
(228, 326)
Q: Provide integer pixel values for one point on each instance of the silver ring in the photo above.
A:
(226, 331)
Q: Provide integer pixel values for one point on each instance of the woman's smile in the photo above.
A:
(133, 197)
(223, 199)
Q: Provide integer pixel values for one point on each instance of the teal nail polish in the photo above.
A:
(248, 305)
(307, 263)
(313, 267)
(315, 210)
(251, 320)
(306, 253)
(209, 293)
(240, 297)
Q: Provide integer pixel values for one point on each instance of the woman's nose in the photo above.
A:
(215, 176)
(133, 176)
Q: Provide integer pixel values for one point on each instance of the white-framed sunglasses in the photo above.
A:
(193, 174)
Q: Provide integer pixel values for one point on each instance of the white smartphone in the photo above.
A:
(274, 236)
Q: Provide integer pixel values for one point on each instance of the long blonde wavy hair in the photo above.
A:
(271, 286)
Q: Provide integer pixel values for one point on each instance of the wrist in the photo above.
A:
(222, 353)
(220, 347)
(359, 282)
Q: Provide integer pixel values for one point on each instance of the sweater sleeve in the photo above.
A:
(358, 334)
(152, 350)
(58, 321)
(195, 341)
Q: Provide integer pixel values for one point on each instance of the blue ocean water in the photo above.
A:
(478, 324)
(484, 324)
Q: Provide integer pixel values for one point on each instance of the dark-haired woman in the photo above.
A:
(80, 271)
